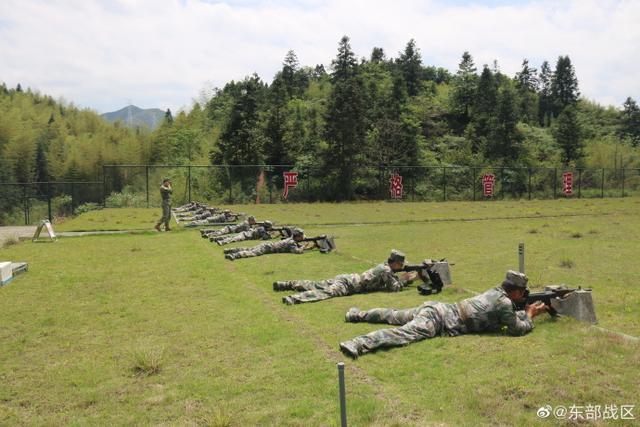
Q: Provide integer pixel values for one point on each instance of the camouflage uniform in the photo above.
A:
(165, 193)
(282, 246)
(258, 233)
(228, 229)
(490, 311)
(211, 219)
(378, 278)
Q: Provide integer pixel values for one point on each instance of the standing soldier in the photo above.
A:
(165, 193)
(491, 311)
(379, 278)
(291, 245)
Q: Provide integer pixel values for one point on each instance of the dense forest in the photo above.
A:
(380, 111)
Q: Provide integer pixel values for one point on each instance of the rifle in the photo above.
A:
(434, 274)
(285, 231)
(324, 243)
(552, 296)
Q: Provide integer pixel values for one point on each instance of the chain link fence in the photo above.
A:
(138, 186)
(28, 203)
(266, 183)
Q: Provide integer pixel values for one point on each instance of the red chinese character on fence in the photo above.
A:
(488, 181)
(395, 187)
(290, 180)
(567, 183)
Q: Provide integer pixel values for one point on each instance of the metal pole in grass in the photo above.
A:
(147, 173)
(622, 182)
(602, 184)
(25, 204)
(473, 184)
(579, 183)
(343, 397)
(444, 184)
(49, 201)
(521, 257)
(189, 181)
(529, 169)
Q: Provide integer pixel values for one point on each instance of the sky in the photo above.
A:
(105, 54)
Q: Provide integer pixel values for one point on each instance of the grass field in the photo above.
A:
(157, 328)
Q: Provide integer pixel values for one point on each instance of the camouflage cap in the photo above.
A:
(297, 232)
(516, 279)
(268, 224)
(251, 218)
(396, 256)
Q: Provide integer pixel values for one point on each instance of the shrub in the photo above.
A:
(147, 362)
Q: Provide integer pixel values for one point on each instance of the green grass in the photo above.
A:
(157, 328)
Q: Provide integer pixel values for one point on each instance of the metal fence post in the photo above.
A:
(73, 204)
(147, 183)
(502, 183)
(579, 183)
(104, 186)
(555, 182)
(602, 184)
(49, 201)
(529, 170)
(230, 185)
(444, 183)
(622, 182)
(25, 204)
(189, 181)
(473, 183)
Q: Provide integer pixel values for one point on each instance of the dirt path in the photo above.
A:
(7, 233)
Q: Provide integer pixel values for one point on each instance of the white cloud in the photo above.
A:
(161, 54)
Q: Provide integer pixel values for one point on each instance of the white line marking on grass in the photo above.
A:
(413, 221)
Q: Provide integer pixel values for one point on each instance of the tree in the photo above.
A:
(345, 120)
(631, 121)
(564, 85)
(505, 141)
(485, 103)
(464, 89)
(377, 55)
(545, 104)
(527, 86)
(242, 141)
(568, 136)
(410, 63)
(168, 117)
(294, 79)
(275, 151)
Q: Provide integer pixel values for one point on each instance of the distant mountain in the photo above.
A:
(132, 116)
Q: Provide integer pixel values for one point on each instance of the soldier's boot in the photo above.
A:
(354, 315)
(350, 349)
(219, 242)
(230, 257)
(157, 227)
(289, 301)
(283, 286)
(166, 228)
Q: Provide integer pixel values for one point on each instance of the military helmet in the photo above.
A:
(297, 232)
(516, 279)
(268, 225)
(251, 218)
(396, 256)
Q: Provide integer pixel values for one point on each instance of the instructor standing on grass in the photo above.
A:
(165, 193)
